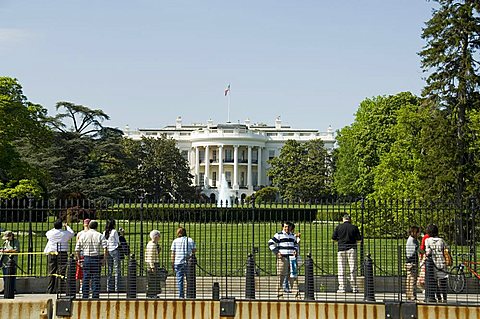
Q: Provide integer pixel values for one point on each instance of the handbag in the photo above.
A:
(448, 257)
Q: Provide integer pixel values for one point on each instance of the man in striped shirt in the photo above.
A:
(284, 244)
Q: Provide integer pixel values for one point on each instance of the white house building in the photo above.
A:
(237, 151)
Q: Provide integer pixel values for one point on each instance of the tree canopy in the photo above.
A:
(302, 171)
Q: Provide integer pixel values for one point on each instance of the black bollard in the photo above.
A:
(369, 293)
(309, 280)
(191, 277)
(9, 279)
(430, 281)
(71, 281)
(132, 277)
(250, 278)
(216, 291)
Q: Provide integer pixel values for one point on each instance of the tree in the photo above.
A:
(302, 171)
(85, 157)
(362, 144)
(157, 167)
(21, 122)
(451, 57)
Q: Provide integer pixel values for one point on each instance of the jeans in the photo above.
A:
(91, 274)
(180, 271)
(343, 258)
(113, 264)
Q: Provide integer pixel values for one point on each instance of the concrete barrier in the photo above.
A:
(38, 309)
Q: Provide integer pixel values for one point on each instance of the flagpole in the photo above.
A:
(228, 108)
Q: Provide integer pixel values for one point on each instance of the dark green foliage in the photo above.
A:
(302, 172)
(157, 167)
(451, 58)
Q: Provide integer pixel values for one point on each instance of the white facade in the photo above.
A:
(240, 151)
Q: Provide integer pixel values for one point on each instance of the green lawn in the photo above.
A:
(223, 247)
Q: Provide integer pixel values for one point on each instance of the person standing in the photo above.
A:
(411, 265)
(57, 255)
(92, 244)
(113, 258)
(347, 235)
(79, 268)
(182, 248)
(10, 249)
(153, 265)
(434, 248)
(284, 245)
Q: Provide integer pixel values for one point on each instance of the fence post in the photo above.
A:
(362, 232)
(250, 278)
(216, 291)
(191, 277)
(132, 278)
(9, 280)
(309, 280)
(71, 281)
(430, 284)
(369, 285)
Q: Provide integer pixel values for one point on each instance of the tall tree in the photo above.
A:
(157, 167)
(451, 58)
(302, 171)
(85, 157)
(21, 122)
(362, 144)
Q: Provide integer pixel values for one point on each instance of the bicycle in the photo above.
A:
(456, 275)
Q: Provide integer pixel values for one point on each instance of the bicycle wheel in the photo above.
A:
(456, 279)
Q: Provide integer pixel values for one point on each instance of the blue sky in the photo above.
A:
(145, 62)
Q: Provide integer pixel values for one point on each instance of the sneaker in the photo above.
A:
(355, 290)
(340, 291)
(287, 290)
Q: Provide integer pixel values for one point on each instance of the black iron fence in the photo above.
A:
(232, 256)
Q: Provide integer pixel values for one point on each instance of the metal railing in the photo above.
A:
(233, 258)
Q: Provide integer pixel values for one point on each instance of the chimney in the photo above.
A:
(178, 123)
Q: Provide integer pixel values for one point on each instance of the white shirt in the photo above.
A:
(58, 240)
(113, 241)
(182, 247)
(91, 243)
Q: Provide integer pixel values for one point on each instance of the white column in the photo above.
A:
(249, 169)
(220, 163)
(259, 166)
(207, 166)
(235, 167)
(197, 166)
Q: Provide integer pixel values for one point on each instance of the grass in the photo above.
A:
(223, 248)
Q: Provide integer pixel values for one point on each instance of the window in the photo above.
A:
(271, 154)
(228, 155)
(214, 179)
(201, 156)
(228, 176)
(185, 154)
(201, 181)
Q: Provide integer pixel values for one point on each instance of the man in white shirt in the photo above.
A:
(57, 251)
(93, 245)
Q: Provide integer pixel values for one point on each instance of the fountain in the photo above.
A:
(224, 194)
